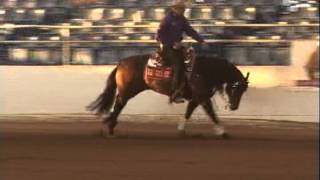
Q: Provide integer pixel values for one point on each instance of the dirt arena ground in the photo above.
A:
(257, 150)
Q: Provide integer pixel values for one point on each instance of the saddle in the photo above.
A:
(156, 69)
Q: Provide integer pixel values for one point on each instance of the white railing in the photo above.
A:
(69, 27)
(150, 41)
(13, 26)
(66, 43)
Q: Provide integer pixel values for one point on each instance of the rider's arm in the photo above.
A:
(191, 32)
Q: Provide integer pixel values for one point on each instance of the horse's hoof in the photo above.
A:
(105, 133)
(106, 121)
(225, 136)
(182, 133)
(109, 136)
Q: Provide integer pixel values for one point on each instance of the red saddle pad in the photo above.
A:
(158, 72)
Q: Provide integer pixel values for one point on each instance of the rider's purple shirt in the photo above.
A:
(172, 28)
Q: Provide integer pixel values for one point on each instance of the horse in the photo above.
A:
(209, 75)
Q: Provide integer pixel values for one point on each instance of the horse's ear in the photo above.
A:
(247, 77)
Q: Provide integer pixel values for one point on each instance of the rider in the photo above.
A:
(169, 34)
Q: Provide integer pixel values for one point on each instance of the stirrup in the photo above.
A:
(176, 98)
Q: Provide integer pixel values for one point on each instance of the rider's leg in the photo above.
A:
(178, 74)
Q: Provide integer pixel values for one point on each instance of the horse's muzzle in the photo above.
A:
(233, 107)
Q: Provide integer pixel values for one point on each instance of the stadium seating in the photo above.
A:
(146, 12)
(107, 55)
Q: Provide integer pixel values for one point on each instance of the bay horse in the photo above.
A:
(209, 75)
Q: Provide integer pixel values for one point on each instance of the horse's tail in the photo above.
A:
(104, 102)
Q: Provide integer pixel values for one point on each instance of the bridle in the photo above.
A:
(234, 86)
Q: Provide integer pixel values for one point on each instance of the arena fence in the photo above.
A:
(68, 47)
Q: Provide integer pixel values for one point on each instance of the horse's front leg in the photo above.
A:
(218, 128)
(192, 105)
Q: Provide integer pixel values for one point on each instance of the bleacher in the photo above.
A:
(102, 47)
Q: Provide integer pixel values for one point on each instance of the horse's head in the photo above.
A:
(234, 91)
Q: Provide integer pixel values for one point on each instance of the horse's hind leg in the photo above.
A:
(112, 120)
(192, 105)
(218, 127)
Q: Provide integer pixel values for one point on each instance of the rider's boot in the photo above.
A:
(177, 93)
(176, 97)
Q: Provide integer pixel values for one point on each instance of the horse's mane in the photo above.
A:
(217, 70)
